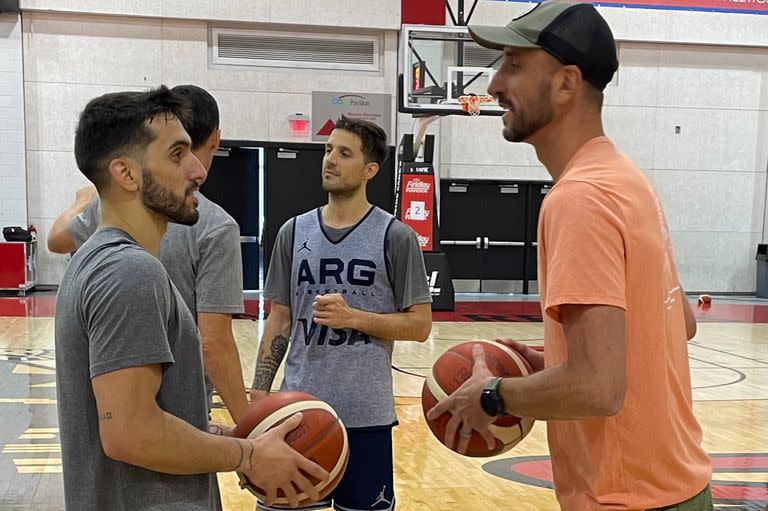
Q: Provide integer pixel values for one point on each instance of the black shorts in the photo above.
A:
(367, 483)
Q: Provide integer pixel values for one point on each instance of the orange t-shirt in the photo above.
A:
(603, 240)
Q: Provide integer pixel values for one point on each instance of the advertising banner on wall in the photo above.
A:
(415, 202)
(418, 200)
(328, 107)
(742, 6)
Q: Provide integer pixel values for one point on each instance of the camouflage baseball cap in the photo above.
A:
(574, 33)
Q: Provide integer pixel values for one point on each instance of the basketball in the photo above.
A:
(452, 369)
(320, 437)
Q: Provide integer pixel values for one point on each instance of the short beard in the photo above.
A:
(165, 202)
(340, 191)
(522, 129)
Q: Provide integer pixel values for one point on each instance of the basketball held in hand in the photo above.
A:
(321, 437)
(452, 369)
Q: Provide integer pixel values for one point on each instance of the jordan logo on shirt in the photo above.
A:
(305, 247)
(381, 498)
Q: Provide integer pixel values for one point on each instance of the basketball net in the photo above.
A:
(471, 103)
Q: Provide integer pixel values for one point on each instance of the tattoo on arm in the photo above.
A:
(266, 367)
(250, 455)
(239, 463)
(105, 416)
(246, 460)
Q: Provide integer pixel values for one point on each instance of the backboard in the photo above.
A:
(440, 68)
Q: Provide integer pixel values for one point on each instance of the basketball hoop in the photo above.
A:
(471, 103)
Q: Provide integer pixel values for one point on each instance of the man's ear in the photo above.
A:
(215, 139)
(125, 173)
(370, 171)
(566, 84)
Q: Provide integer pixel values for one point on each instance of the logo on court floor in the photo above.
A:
(29, 357)
(727, 492)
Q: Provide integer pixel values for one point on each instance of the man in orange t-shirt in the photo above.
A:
(614, 382)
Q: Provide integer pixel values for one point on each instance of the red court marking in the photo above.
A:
(732, 313)
(33, 306)
(540, 469)
(757, 494)
(531, 311)
(753, 462)
(537, 471)
(506, 311)
(44, 305)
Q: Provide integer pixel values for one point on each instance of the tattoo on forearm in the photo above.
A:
(250, 455)
(239, 463)
(266, 367)
(246, 461)
(105, 416)
(215, 429)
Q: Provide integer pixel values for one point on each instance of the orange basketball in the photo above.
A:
(321, 437)
(452, 369)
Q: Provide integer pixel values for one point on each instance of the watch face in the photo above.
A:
(486, 404)
(490, 400)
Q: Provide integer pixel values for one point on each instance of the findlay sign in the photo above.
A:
(742, 6)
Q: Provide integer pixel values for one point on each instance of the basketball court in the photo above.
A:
(729, 372)
(688, 104)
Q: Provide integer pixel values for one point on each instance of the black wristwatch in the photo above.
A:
(490, 399)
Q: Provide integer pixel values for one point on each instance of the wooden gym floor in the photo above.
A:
(729, 360)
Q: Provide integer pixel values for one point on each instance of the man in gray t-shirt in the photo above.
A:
(129, 374)
(117, 309)
(345, 281)
(203, 260)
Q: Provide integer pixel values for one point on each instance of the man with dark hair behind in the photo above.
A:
(345, 280)
(129, 374)
(203, 260)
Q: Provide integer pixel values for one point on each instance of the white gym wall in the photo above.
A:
(13, 178)
(76, 49)
(704, 72)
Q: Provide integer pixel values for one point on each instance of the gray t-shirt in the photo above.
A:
(116, 308)
(406, 262)
(203, 260)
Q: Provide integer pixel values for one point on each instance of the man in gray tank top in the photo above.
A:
(129, 373)
(345, 281)
(203, 260)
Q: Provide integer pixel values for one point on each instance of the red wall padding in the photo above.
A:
(423, 12)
